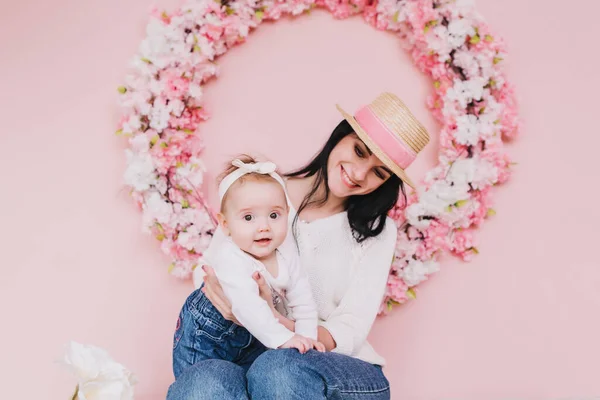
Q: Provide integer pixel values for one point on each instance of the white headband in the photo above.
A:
(263, 168)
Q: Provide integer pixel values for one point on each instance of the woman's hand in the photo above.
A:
(214, 292)
(264, 290)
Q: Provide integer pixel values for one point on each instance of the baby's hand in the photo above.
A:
(317, 345)
(303, 344)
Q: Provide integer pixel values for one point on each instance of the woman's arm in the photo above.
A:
(349, 324)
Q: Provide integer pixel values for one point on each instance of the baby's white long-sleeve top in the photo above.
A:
(234, 269)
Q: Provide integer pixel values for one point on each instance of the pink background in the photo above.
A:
(520, 321)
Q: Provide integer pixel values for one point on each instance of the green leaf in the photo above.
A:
(461, 203)
(147, 61)
(411, 294)
(185, 203)
(488, 38)
(188, 131)
(396, 15)
(475, 39)
(154, 140)
(429, 25)
(437, 84)
(171, 267)
(197, 49)
(259, 14)
(119, 132)
(122, 89)
(497, 60)
(164, 145)
(229, 11)
(474, 250)
(490, 212)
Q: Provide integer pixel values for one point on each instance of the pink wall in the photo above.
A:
(520, 321)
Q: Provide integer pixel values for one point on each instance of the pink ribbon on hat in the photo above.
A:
(388, 142)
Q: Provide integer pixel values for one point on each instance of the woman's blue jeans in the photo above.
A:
(283, 375)
(215, 359)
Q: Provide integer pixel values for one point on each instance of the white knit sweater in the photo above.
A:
(347, 279)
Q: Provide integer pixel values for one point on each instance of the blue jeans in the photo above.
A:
(203, 334)
(283, 375)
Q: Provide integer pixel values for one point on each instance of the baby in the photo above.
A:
(252, 235)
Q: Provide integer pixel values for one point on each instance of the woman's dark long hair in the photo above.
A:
(366, 213)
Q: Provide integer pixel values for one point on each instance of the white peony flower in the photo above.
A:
(140, 172)
(98, 376)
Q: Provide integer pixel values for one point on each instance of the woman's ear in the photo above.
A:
(223, 223)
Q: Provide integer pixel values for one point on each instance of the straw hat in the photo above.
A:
(390, 131)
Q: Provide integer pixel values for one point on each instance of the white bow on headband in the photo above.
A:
(263, 168)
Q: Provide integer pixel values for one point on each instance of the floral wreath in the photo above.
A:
(448, 40)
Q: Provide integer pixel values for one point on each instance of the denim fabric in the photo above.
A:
(203, 334)
(283, 375)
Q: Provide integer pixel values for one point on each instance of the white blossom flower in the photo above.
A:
(195, 91)
(192, 172)
(98, 376)
(464, 92)
(467, 130)
(140, 172)
(458, 30)
(156, 209)
(159, 116)
(417, 271)
(477, 171)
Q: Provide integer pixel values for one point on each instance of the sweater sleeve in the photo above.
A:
(300, 301)
(350, 323)
(234, 272)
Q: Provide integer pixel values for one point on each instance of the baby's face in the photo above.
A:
(256, 217)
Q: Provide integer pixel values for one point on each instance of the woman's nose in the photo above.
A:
(361, 171)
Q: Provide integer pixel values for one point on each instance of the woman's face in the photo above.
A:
(353, 170)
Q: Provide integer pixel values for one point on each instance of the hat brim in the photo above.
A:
(375, 148)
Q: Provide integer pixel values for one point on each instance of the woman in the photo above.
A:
(346, 243)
